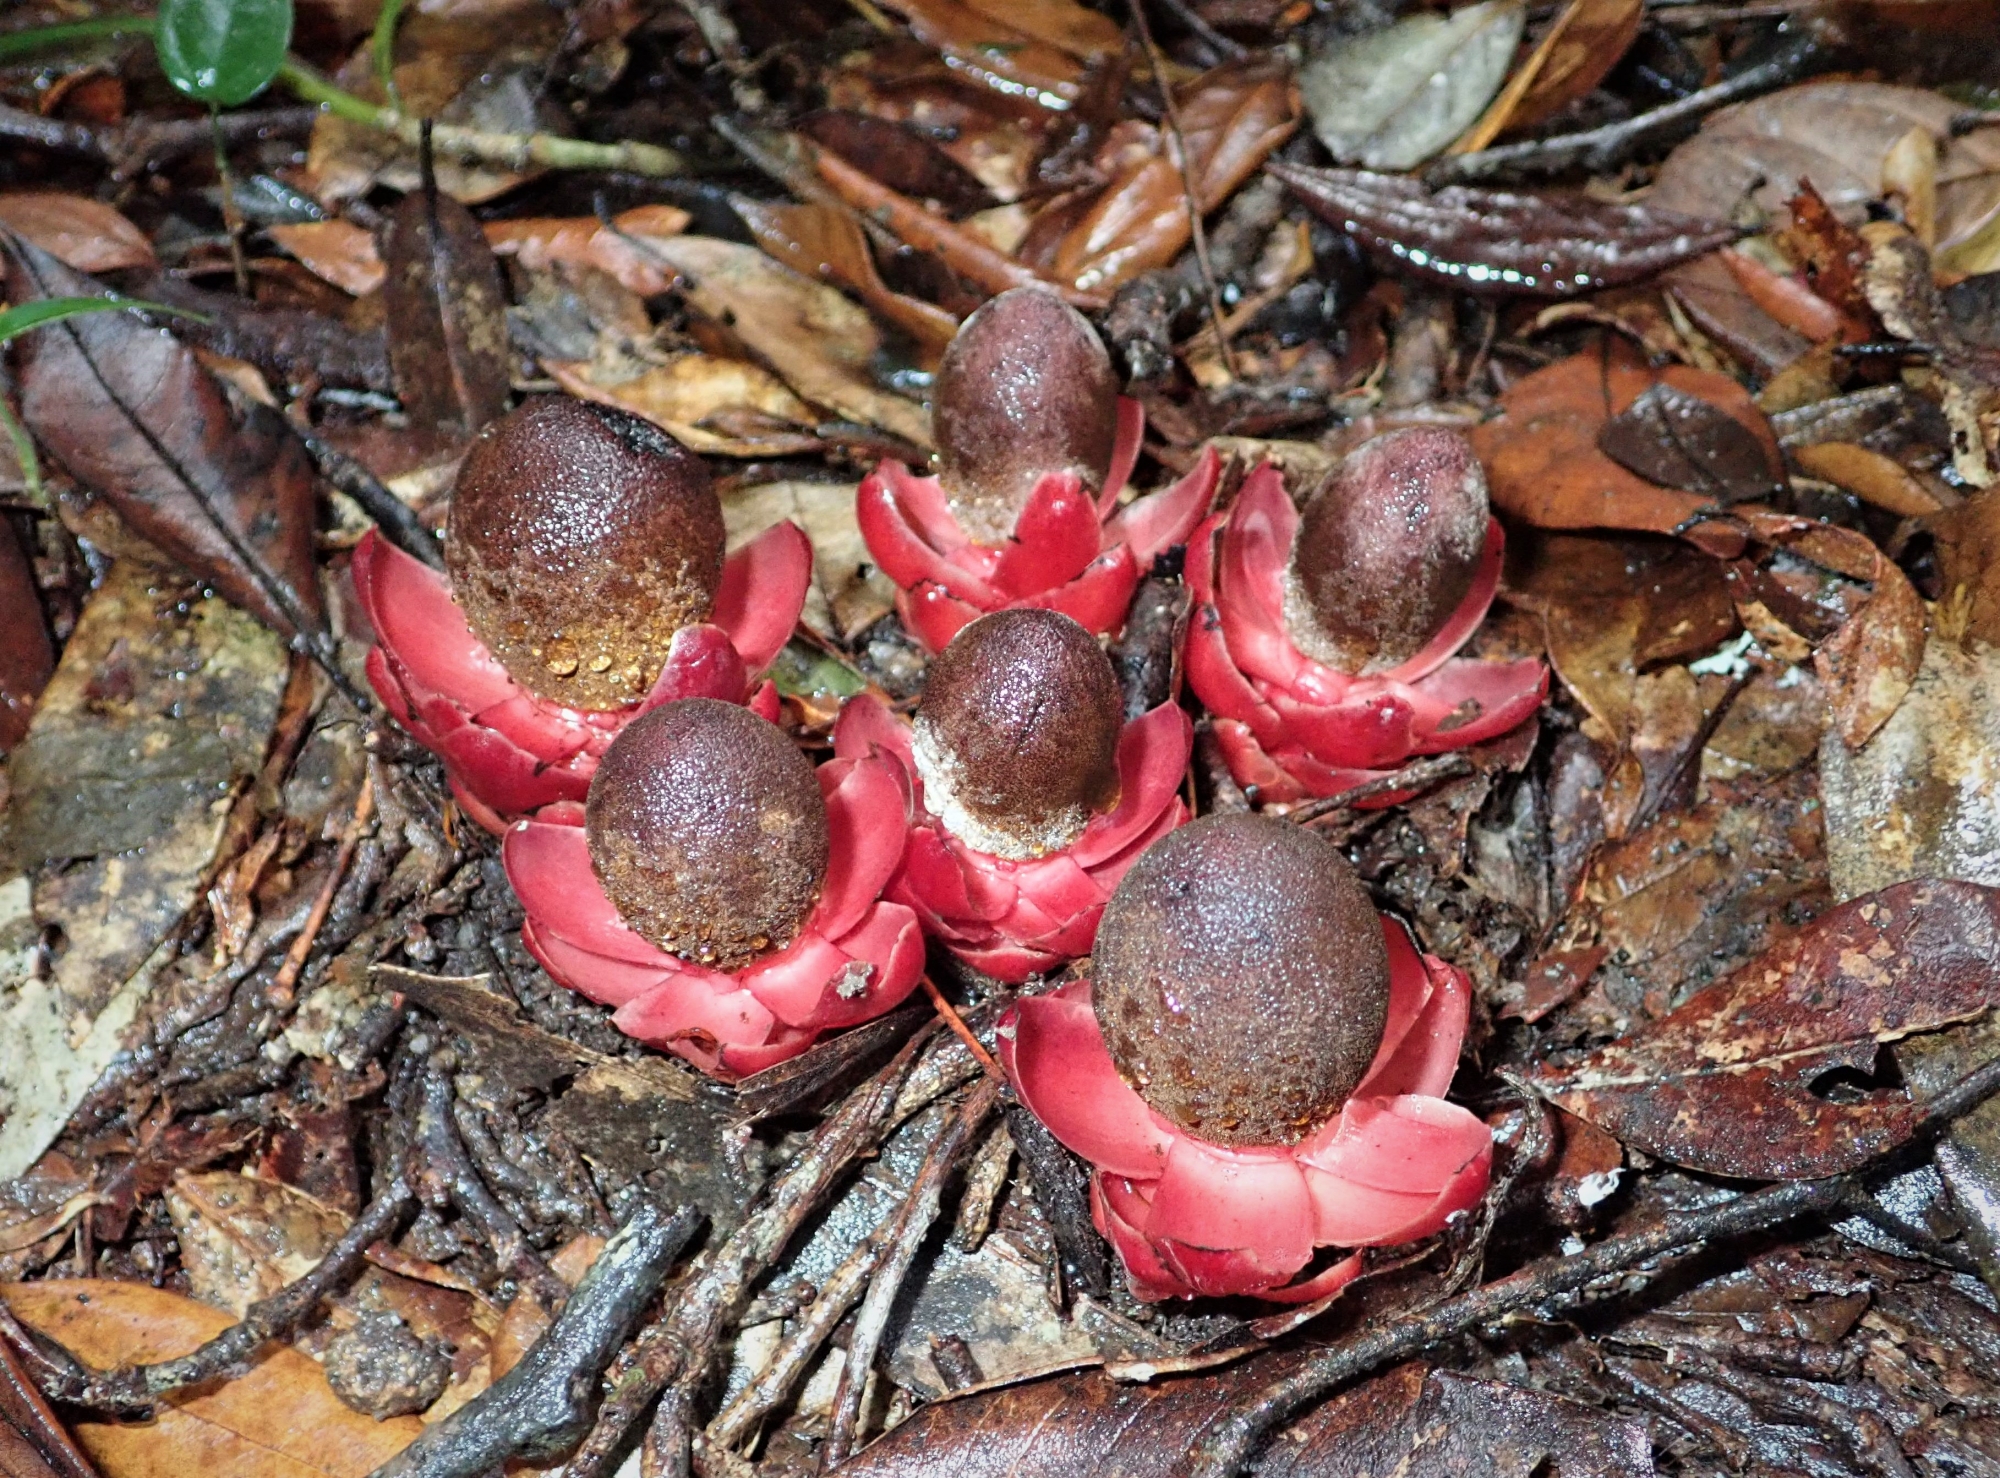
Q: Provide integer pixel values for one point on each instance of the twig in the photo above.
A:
(396, 519)
(1192, 201)
(1188, 16)
(446, 1172)
(137, 1387)
(1418, 775)
(960, 1030)
(286, 982)
(1229, 1442)
(677, 1350)
(1598, 149)
(906, 1238)
(542, 1408)
(839, 1293)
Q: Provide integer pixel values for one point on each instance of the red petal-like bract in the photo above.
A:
(1015, 919)
(1068, 552)
(509, 753)
(1190, 1217)
(1294, 728)
(855, 957)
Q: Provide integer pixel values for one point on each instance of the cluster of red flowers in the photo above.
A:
(680, 859)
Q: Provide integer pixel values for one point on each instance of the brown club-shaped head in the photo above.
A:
(581, 539)
(707, 830)
(1025, 388)
(1017, 735)
(1241, 979)
(1387, 549)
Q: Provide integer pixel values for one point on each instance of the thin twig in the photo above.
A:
(1229, 1442)
(1193, 202)
(959, 1029)
(906, 1238)
(1417, 775)
(287, 979)
(395, 518)
(542, 1408)
(137, 1387)
(1598, 149)
(447, 1173)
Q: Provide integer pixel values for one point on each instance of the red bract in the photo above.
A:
(1293, 727)
(509, 753)
(1190, 1217)
(1015, 919)
(855, 957)
(1069, 552)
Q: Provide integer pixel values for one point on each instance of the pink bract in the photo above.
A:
(1016, 919)
(1190, 1218)
(1295, 728)
(1069, 552)
(509, 753)
(854, 958)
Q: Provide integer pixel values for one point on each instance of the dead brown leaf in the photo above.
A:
(26, 657)
(826, 241)
(1232, 118)
(74, 229)
(1736, 1082)
(1543, 462)
(1577, 52)
(724, 407)
(279, 1419)
(445, 313)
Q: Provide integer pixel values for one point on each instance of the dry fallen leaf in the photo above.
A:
(1577, 52)
(279, 1419)
(79, 232)
(724, 407)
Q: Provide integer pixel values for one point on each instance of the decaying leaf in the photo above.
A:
(725, 407)
(159, 707)
(1747, 162)
(77, 231)
(1408, 1422)
(1034, 51)
(827, 241)
(243, 1239)
(26, 658)
(1543, 460)
(1390, 99)
(1679, 440)
(848, 594)
(1579, 49)
(446, 314)
(1739, 1080)
(819, 343)
(277, 1420)
(219, 483)
(1494, 241)
(1231, 119)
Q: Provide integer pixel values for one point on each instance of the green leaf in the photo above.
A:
(44, 38)
(383, 43)
(223, 52)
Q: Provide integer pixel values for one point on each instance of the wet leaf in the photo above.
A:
(338, 251)
(826, 241)
(1870, 476)
(724, 407)
(220, 485)
(1493, 241)
(279, 1419)
(26, 657)
(1577, 52)
(1232, 118)
(1543, 460)
(1737, 1081)
(157, 710)
(223, 52)
(900, 157)
(446, 314)
(848, 594)
(74, 229)
(1748, 160)
(1409, 1422)
(985, 45)
(1390, 99)
(243, 1239)
(819, 343)
(1681, 441)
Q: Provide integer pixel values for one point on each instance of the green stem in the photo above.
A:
(24, 453)
(513, 151)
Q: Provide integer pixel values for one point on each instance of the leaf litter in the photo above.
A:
(311, 1156)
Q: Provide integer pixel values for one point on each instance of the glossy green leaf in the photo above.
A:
(223, 52)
